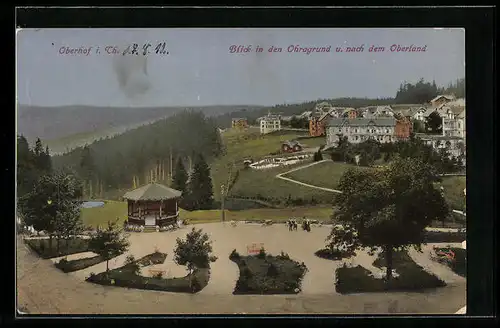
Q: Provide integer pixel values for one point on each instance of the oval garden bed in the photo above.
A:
(268, 274)
(128, 276)
(412, 277)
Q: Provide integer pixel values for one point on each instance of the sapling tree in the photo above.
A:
(194, 252)
(109, 242)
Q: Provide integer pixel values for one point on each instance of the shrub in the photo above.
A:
(283, 256)
(129, 259)
(262, 254)
(234, 255)
(334, 254)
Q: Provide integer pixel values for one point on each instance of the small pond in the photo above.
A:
(92, 204)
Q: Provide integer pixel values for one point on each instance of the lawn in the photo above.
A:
(101, 215)
(127, 276)
(326, 174)
(411, 277)
(263, 184)
(454, 191)
(113, 209)
(241, 145)
(267, 274)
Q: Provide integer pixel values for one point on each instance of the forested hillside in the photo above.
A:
(144, 153)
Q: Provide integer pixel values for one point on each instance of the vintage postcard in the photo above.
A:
(241, 171)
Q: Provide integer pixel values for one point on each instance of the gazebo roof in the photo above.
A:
(152, 191)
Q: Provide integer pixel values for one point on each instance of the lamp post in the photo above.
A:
(222, 203)
(465, 201)
(442, 193)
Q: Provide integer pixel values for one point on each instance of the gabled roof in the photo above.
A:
(152, 191)
(448, 97)
(429, 111)
(271, 118)
(385, 121)
(347, 110)
(306, 113)
(329, 113)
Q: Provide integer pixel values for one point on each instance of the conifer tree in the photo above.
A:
(200, 185)
(179, 180)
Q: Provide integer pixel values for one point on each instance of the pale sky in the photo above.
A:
(199, 70)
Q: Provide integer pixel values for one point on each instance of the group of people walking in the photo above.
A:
(292, 225)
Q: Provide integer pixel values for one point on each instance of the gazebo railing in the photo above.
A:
(143, 214)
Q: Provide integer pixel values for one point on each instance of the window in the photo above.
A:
(356, 137)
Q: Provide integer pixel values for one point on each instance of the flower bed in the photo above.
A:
(267, 274)
(80, 264)
(66, 247)
(459, 262)
(269, 163)
(126, 276)
(411, 277)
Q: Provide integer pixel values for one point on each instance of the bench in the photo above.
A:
(156, 272)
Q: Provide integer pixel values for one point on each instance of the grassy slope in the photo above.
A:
(326, 174)
(112, 209)
(241, 145)
(253, 183)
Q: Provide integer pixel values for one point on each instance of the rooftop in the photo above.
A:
(424, 136)
(448, 97)
(383, 121)
(152, 191)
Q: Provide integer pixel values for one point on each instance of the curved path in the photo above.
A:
(42, 288)
(442, 271)
(281, 176)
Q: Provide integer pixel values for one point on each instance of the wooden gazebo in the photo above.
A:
(153, 205)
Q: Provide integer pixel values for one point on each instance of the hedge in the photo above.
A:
(66, 247)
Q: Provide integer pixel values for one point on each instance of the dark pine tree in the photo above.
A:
(180, 176)
(26, 171)
(46, 161)
(200, 185)
(87, 168)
